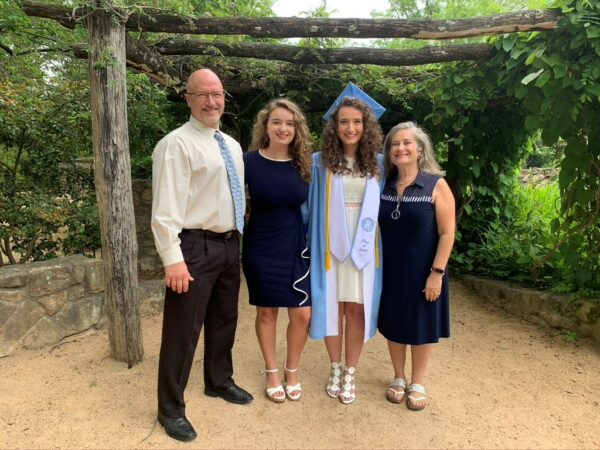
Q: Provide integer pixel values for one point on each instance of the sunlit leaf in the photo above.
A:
(532, 76)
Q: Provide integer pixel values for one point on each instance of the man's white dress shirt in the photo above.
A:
(190, 187)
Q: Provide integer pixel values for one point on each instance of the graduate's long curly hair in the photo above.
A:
(300, 148)
(369, 146)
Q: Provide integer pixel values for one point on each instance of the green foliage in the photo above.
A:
(47, 201)
(150, 117)
(537, 84)
(452, 9)
(456, 9)
(543, 155)
(44, 128)
(556, 77)
(83, 227)
(38, 225)
(486, 144)
(246, 8)
(514, 247)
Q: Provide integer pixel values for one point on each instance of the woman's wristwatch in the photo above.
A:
(437, 270)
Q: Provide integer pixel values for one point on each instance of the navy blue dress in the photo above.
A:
(409, 245)
(274, 252)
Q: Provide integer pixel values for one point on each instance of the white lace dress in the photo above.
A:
(349, 278)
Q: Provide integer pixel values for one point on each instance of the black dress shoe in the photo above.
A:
(178, 427)
(233, 394)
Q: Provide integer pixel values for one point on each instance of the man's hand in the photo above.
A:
(178, 277)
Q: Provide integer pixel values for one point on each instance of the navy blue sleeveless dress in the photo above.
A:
(274, 252)
(409, 245)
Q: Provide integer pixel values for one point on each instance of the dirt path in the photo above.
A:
(497, 383)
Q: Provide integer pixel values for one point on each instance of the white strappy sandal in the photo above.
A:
(334, 383)
(275, 394)
(348, 393)
(292, 391)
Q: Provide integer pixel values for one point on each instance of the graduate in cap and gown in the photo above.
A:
(343, 235)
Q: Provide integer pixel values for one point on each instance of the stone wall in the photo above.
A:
(553, 310)
(43, 302)
(148, 258)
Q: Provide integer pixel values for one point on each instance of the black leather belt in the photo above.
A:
(210, 234)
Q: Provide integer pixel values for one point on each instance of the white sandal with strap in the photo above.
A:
(292, 391)
(395, 395)
(411, 400)
(275, 394)
(334, 383)
(348, 394)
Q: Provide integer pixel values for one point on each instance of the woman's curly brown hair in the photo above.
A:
(300, 148)
(369, 146)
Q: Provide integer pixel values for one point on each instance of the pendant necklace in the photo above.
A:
(396, 212)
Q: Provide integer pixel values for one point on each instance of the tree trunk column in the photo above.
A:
(112, 172)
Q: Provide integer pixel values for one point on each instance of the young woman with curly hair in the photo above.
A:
(274, 253)
(345, 257)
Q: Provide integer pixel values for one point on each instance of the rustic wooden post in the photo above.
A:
(112, 171)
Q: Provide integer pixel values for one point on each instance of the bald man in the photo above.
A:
(194, 226)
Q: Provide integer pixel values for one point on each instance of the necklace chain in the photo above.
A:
(396, 212)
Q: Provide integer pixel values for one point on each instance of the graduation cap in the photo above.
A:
(354, 91)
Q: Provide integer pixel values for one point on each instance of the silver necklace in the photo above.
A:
(396, 212)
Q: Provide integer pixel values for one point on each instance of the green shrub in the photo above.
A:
(38, 225)
(523, 247)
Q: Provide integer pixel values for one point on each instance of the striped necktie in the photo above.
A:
(234, 182)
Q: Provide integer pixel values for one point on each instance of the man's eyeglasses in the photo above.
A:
(203, 96)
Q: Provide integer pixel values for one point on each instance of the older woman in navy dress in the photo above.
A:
(274, 253)
(417, 221)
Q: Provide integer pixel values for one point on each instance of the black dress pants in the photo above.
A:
(212, 300)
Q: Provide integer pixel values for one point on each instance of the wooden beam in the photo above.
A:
(112, 175)
(145, 60)
(165, 71)
(67, 17)
(285, 27)
(154, 60)
(161, 70)
(307, 55)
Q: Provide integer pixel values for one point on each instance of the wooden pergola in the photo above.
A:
(110, 50)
